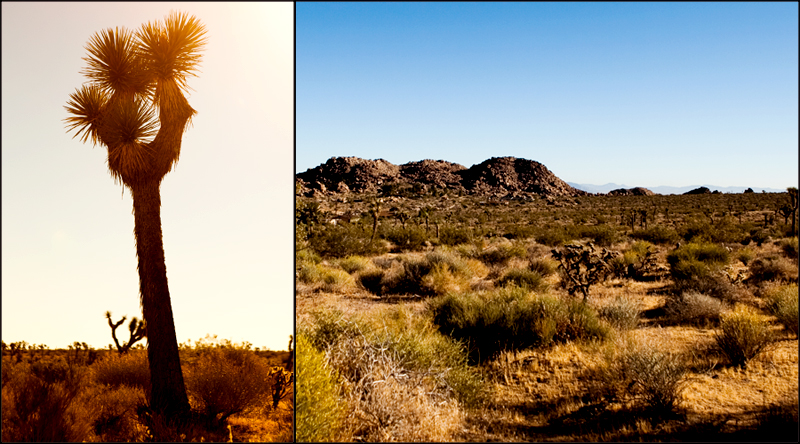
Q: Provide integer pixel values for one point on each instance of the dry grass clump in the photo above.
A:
(543, 265)
(525, 278)
(354, 264)
(773, 268)
(640, 372)
(326, 278)
(789, 247)
(441, 271)
(694, 308)
(320, 405)
(404, 381)
(782, 301)
(743, 334)
(622, 312)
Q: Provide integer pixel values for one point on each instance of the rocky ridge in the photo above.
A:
(498, 177)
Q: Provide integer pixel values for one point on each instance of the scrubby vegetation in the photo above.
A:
(596, 318)
(88, 395)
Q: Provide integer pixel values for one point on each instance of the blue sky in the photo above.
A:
(68, 251)
(642, 94)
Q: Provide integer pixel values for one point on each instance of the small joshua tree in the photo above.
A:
(583, 267)
(281, 381)
(136, 328)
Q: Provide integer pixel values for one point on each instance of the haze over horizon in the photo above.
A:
(646, 94)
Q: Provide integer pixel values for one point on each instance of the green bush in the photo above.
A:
(743, 335)
(226, 381)
(116, 419)
(325, 277)
(319, 405)
(635, 262)
(746, 255)
(354, 264)
(502, 253)
(622, 312)
(524, 278)
(782, 301)
(345, 240)
(697, 260)
(512, 319)
(657, 234)
(455, 235)
(411, 238)
(544, 266)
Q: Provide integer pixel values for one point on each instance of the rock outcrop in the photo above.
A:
(496, 177)
(636, 191)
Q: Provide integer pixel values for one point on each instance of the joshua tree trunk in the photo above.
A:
(168, 394)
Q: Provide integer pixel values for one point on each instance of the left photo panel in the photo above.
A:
(147, 228)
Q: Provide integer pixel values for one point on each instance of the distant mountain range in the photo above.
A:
(589, 188)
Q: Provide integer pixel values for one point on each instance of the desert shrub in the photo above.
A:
(602, 235)
(441, 279)
(790, 248)
(554, 236)
(326, 278)
(622, 312)
(694, 308)
(319, 405)
(51, 371)
(544, 266)
(635, 262)
(227, 380)
(525, 278)
(502, 253)
(512, 319)
(345, 240)
(720, 230)
(130, 369)
(371, 280)
(449, 235)
(437, 272)
(404, 375)
(657, 234)
(354, 264)
(743, 335)
(405, 276)
(115, 417)
(35, 410)
(745, 255)
(306, 256)
(410, 238)
(782, 302)
(328, 326)
(697, 266)
(641, 372)
(773, 268)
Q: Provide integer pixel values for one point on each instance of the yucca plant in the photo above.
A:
(135, 107)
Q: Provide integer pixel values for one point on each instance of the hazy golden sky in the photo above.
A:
(68, 251)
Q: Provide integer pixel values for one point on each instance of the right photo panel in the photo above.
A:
(546, 222)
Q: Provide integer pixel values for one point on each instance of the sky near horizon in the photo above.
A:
(68, 251)
(641, 94)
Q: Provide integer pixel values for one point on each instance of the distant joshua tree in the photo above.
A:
(135, 107)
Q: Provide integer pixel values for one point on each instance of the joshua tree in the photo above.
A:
(135, 107)
(136, 328)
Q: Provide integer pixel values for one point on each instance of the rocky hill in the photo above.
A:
(637, 191)
(496, 177)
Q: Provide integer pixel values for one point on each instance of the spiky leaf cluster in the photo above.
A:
(135, 90)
